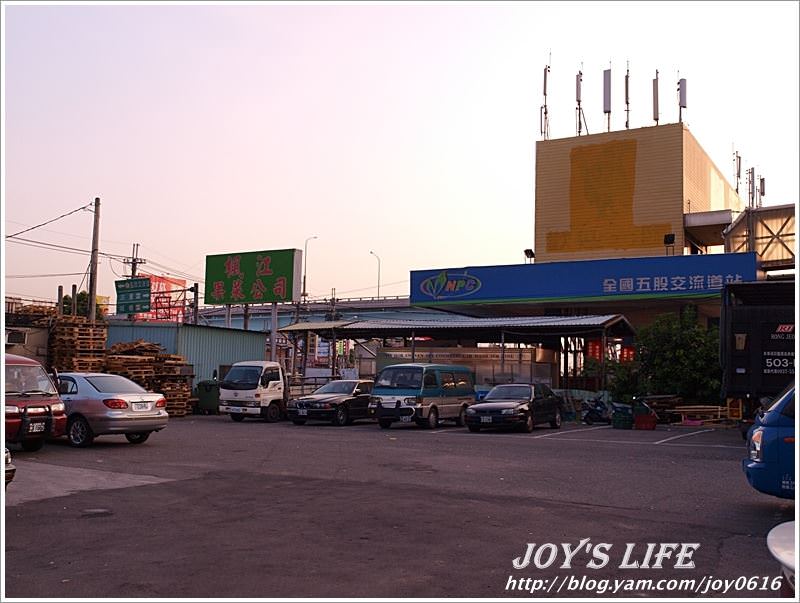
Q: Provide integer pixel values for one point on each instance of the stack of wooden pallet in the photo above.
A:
(77, 345)
(146, 364)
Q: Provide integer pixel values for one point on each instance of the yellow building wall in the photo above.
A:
(609, 195)
(704, 186)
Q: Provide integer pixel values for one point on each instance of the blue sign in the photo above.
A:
(588, 280)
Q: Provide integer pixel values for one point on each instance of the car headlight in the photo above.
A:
(755, 445)
(471, 411)
(412, 402)
(509, 411)
(8, 457)
(12, 410)
(57, 407)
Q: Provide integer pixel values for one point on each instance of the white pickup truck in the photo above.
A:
(254, 388)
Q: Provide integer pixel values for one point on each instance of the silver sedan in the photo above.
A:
(101, 404)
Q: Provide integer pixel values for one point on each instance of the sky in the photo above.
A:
(408, 130)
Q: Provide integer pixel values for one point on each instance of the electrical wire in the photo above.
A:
(50, 221)
(43, 275)
(57, 247)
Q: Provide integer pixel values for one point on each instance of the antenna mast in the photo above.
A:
(655, 98)
(544, 121)
(681, 97)
(737, 169)
(627, 99)
(607, 95)
(579, 110)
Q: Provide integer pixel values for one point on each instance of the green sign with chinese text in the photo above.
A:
(254, 277)
(133, 295)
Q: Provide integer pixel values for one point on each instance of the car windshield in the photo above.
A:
(114, 384)
(27, 379)
(337, 387)
(242, 376)
(779, 399)
(509, 392)
(400, 378)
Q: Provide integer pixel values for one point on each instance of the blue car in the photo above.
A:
(770, 448)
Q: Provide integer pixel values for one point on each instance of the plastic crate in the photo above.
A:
(645, 421)
(621, 421)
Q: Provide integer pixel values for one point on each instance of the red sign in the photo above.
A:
(627, 353)
(167, 299)
(594, 349)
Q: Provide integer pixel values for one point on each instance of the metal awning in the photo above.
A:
(514, 328)
(706, 227)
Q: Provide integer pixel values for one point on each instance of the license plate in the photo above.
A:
(302, 411)
(235, 409)
(486, 419)
(140, 406)
(405, 419)
(35, 427)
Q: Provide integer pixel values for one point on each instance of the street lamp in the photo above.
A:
(379, 271)
(305, 260)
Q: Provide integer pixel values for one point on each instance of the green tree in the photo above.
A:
(678, 356)
(623, 380)
(83, 305)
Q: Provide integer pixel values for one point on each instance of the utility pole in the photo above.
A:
(93, 264)
(134, 260)
(195, 289)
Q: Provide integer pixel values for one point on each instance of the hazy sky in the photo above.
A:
(408, 130)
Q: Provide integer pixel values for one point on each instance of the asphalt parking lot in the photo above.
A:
(213, 508)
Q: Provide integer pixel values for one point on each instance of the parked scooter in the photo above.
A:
(596, 410)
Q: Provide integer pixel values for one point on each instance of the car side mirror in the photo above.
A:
(358, 392)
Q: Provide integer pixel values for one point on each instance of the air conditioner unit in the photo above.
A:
(14, 337)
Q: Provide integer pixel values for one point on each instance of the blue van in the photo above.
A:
(421, 393)
(770, 446)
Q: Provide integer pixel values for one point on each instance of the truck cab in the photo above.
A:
(254, 388)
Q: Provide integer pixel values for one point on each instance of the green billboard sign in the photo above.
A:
(133, 295)
(254, 277)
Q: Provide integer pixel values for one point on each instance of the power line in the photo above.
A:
(43, 275)
(50, 221)
(57, 247)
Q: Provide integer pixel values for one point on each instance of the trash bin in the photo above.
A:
(622, 418)
(208, 397)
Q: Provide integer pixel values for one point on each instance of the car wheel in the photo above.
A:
(32, 445)
(474, 428)
(298, 421)
(461, 419)
(272, 414)
(137, 438)
(238, 418)
(341, 417)
(527, 427)
(556, 422)
(79, 432)
(384, 423)
(433, 418)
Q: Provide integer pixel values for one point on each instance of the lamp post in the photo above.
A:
(379, 271)
(305, 260)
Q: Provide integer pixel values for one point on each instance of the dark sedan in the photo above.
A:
(519, 405)
(339, 402)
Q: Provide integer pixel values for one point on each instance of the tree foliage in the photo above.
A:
(83, 305)
(678, 356)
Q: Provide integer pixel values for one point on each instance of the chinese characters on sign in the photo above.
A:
(133, 295)
(253, 277)
(689, 283)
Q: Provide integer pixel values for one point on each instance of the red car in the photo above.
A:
(34, 412)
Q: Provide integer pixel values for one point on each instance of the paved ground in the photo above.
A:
(213, 508)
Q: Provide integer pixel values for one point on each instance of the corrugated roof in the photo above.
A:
(321, 325)
(487, 323)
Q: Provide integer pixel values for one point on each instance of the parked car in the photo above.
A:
(10, 469)
(422, 392)
(769, 465)
(516, 405)
(340, 402)
(34, 411)
(781, 545)
(102, 404)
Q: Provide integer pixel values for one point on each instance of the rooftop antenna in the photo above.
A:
(681, 96)
(737, 169)
(627, 99)
(761, 189)
(655, 98)
(544, 121)
(607, 95)
(579, 110)
(751, 188)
